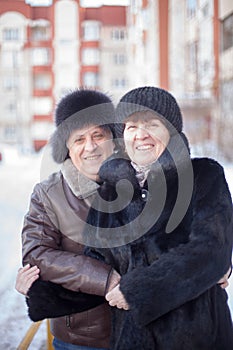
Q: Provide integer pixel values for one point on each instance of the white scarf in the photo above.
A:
(141, 172)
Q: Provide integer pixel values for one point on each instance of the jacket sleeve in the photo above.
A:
(185, 272)
(41, 246)
(46, 299)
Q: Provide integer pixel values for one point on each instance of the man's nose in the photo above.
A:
(90, 144)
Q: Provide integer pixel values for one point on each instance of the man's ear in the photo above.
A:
(59, 148)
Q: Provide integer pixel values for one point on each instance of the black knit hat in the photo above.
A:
(78, 109)
(154, 99)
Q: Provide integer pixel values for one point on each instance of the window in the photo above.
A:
(9, 132)
(91, 31)
(90, 79)
(11, 34)
(134, 6)
(40, 56)
(191, 6)
(192, 57)
(42, 81)
(119, 83)
(118, 34)
(11, 111)
(90, 57)
(206, 10)
(227, 33)
(42, 105)
(10, 83)
(41, 130)
(40, 33)
(119, 58)
(11, 107)
(12, 59)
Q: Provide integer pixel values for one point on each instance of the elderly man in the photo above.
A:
(52, 231)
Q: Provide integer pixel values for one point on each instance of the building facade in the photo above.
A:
(224, 120)
(185, 46)
(46, 51)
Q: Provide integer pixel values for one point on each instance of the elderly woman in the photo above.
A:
(164, 222)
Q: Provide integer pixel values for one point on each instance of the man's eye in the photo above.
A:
(78, 140)
(98, 136)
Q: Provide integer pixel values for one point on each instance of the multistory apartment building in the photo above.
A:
(48, 48)
(201, 69)
(146, 43)
(176, 46)
(185, 46)
(26, 73)
(104, 60)
(195, 67)
(224, 122)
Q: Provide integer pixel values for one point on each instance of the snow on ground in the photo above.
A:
(18, 174)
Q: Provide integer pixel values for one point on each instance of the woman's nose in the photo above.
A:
(141, 133)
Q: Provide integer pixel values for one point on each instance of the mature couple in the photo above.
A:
(149, 232)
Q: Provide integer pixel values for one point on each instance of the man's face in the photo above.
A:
(88, 148)
(145, 138)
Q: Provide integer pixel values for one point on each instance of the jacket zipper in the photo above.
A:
(68, 321)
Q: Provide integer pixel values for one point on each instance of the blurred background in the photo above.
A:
(49, 47)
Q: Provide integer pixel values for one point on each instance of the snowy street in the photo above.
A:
(18, 174)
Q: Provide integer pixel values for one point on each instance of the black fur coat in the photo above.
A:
(169, 275)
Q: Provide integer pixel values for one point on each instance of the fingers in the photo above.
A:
(119, 304)
(116, 298)
(113, 280)
(224, 284)
(25, 278)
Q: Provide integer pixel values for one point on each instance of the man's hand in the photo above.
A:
(224, 280)
(116, 298)
(25, 277)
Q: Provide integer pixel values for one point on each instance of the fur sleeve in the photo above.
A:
(185, 272)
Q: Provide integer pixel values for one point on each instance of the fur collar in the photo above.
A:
(80, 185)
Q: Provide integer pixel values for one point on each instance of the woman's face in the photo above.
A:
(145, 137)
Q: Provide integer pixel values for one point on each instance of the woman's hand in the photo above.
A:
(116, 298)
(25, 277)
(224, 280)
(113, 280)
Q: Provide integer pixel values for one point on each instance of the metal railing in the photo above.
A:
(31, 332)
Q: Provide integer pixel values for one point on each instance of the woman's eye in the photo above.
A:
(153, 125)
(131, 127)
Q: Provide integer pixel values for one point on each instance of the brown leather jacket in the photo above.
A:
(52, 240)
